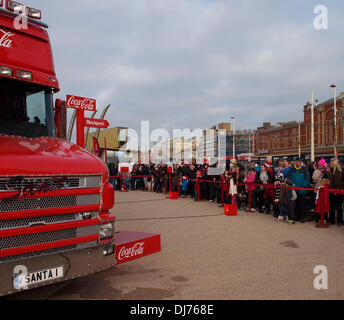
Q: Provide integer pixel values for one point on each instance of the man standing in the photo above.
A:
(299, 174)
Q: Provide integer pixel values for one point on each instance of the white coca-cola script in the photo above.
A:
(83, 104)
(5, 39)
(136, 250)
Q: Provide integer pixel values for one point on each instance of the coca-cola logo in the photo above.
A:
(136, 250)
(5, 39)
(86, 104)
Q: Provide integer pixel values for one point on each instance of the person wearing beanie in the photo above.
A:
(300, 176)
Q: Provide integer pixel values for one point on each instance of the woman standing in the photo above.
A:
(250, 187)
(264, 179)
(335, 176)
(233, 187)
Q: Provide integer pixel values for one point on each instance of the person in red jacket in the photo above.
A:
(325, 184)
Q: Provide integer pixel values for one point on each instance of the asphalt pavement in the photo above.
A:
(207, 255)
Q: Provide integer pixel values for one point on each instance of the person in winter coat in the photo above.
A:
(265, 181)
(225, 187)
(233, 187)
(286, 205)
(250, 187)
(191, 183)
(335, 176)
(325, 183)
(317, 176)
(299, 174)
(278, 182)
(286, 168)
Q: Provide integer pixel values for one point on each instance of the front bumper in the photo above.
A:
(77, 263)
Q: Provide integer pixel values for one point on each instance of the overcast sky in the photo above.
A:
(196, 63)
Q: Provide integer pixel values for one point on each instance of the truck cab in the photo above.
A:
(55, 197)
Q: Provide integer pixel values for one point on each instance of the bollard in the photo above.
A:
(322, 203)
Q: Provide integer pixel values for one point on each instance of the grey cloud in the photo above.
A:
(193, 63)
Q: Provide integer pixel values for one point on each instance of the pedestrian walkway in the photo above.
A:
(207, 255)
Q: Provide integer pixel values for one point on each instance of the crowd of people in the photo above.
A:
(288, 190)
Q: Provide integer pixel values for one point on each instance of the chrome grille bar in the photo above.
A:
(45, 220)
(47, 237)
(48, 202)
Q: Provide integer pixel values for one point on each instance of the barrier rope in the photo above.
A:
(323, 191)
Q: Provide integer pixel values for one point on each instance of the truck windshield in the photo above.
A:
(25, 109)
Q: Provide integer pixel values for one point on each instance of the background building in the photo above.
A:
(115, 138)
(284, 139)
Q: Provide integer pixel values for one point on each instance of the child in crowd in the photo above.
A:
(286, 202)
(184, 186)
(278, 183)
(225, 187)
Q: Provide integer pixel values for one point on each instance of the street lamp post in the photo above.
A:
(233, 137)
(299, 123)
(312, 130)
(335, 120)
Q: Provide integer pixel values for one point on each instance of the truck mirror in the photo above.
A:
(61, 118)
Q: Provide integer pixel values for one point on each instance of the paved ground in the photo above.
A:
(206, 255)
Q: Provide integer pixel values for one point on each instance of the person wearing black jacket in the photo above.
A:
(204, 185)
(191, 184)
(214, 187)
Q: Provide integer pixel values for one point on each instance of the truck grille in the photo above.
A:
(48, 202)
(47, 237)
(43, 204)
(37, 238)
(48, 252)
(35, 182)
(45, 220)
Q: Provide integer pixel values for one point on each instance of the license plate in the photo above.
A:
(26, 279)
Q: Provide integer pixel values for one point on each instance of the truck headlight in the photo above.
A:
(106, 231)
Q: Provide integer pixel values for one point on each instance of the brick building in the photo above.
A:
(283, 138)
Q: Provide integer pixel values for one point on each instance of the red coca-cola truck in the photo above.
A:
(55, 197)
